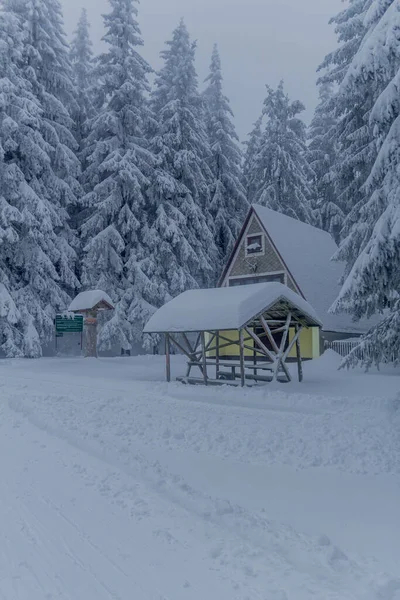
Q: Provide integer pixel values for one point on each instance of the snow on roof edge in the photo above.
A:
(226, 308)
(89, 299)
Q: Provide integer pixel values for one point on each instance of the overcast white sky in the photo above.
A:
(261, 41)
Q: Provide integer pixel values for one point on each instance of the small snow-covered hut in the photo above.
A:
(89, 304)
(92, 300)
(245, 333)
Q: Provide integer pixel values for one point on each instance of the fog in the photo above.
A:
(261, 42)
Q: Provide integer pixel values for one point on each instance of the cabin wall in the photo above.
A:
(267, 263)
(309, 345)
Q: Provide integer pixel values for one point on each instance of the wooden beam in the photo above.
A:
(204, 357)
(220, 346)
(269, 334)
(180, 347)
(255, 350)
(189, 355)
(217, 351)
(261, 345)
(210, 341)
(232, 342)
(281, 354)
(189, 345)
(298, 354)
(292, 343)
(242, 367)
(198, 339)
(278, 330)
(168, 357)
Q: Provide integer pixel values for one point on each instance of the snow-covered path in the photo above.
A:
(115, 485)
(76, 527)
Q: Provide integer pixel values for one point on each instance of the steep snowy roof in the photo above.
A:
(224, 308)
(88, 300)
(307, 252)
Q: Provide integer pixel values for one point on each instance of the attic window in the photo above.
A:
(254, 245)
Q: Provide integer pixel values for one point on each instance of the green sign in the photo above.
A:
(64, 324)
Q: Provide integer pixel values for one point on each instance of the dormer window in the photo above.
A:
(254, 244)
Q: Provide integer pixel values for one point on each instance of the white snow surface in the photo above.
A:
(88, 300)
(224, 308)
(117, 485)
(308, 252)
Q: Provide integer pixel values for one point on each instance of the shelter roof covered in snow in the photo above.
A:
(307, 252)
(89, 300)
(226, 308)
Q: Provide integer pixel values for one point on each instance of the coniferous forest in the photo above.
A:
(136, 183)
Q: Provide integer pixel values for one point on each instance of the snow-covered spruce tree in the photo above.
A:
(183, 242)
(350, 30)
(82, 62)
(117, 259)
(48, 68)
(327, 214)
(228, 200)
(373, 282)
(253, 146)
(37, 176)
(13, 91)
(281, 166)
(81, 55)
(352, 135)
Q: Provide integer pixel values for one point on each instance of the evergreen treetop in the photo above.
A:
(281, 166)
(228, 200)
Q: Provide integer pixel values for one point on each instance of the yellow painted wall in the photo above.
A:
(309, 344)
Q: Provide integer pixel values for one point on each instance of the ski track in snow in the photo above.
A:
(95, 507)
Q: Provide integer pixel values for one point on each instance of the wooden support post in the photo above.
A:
(293, 342)
(242, 365)
(204, 357)
(298, 354)
(168, 356)
(281, 355)
(91, 337)
(217, 350)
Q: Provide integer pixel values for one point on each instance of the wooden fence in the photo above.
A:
(362, 352)
(344, 347)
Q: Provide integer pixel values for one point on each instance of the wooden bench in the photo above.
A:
(226, 376)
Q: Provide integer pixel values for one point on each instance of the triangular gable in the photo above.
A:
(275, 260)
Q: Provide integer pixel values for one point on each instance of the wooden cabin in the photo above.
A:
(275, 248)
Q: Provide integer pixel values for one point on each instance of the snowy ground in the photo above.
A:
(118, 486)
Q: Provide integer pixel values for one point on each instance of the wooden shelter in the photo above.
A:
(263, 321)
(89, 304)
